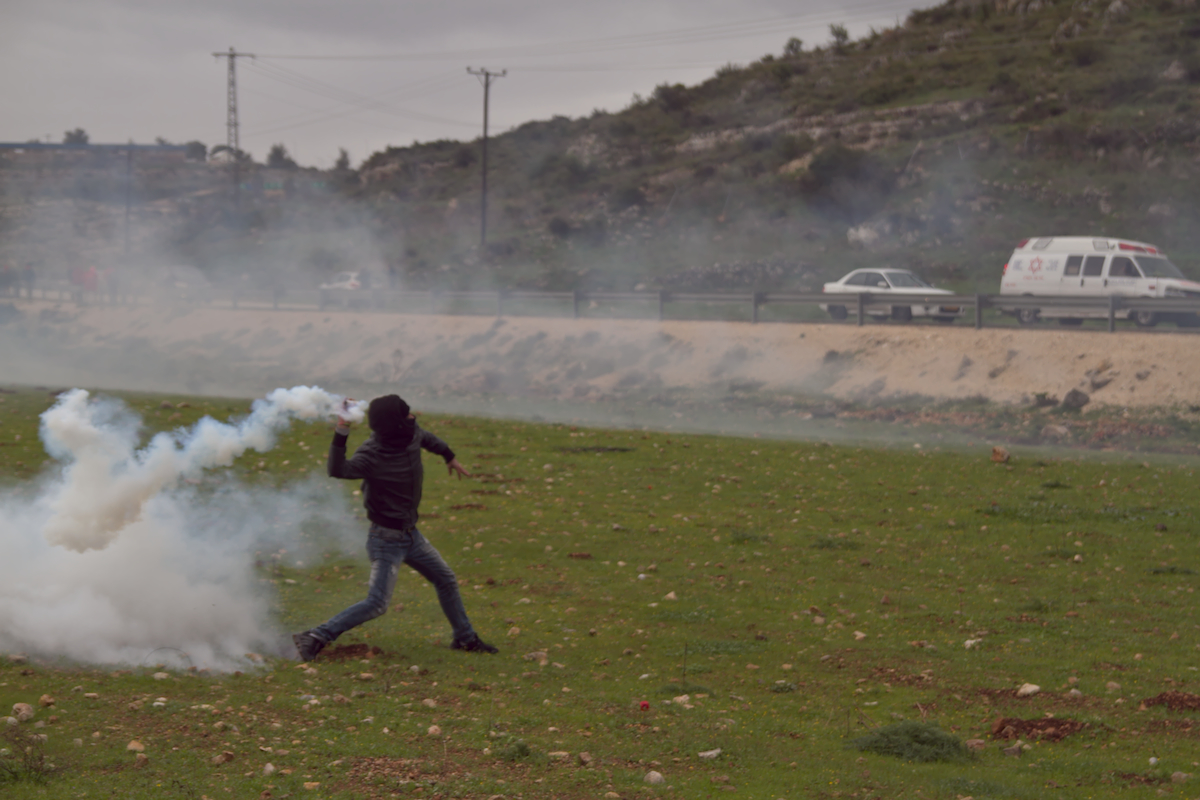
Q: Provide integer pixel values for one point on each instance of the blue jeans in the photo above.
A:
(388, 549)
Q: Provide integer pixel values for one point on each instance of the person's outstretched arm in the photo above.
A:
(436, 446)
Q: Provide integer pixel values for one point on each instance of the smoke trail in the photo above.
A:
(114, 557)
(108, 481)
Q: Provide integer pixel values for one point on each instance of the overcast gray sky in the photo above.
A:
(138, 69)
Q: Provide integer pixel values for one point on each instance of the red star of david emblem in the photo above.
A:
(1036, 265)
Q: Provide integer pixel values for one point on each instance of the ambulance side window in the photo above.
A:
(1122, 267)
(1093, 266)
(1074, 264)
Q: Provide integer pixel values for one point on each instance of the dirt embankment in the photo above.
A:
(246, 351)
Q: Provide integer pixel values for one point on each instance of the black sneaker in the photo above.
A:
(473, 644)
(307, 645)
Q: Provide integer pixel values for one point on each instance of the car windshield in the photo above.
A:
(906, 280)
(1156, 267)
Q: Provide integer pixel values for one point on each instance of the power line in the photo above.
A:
(696, 35)
(359, 101)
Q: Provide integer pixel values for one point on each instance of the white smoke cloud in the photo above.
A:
(107, 482)
(115, 556)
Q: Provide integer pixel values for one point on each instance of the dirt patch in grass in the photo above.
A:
(1175, 701)
(349, 652)
(1050, 730)
(1140, 779)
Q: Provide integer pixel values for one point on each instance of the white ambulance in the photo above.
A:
(1082, 266)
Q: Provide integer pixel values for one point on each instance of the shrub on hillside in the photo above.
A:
(464, 156)
(846, 182)
(672, 97)
(1086, 52)
(626, 196)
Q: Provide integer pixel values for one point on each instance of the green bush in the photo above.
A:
(517, 751)
(1085, 53)
(913, 741)
(626, 196)
(847, 182)
(792, 146)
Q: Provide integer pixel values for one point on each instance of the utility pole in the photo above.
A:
(485, 78)
(231, 120)
(128, 194)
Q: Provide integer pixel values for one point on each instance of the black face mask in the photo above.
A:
(388, 417)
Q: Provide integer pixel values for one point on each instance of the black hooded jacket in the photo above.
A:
(391, 474)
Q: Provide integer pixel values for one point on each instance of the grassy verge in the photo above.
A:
(656, 596)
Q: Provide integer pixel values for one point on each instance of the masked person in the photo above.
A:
(389, 465)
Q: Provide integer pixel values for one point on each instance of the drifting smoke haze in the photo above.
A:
(120, 556)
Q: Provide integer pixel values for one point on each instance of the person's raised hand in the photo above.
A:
(342, 421)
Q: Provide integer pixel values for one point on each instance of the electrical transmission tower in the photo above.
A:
(231, 119)
(485, 78)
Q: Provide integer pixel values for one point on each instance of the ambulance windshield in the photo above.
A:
(1157, 267)
(906, 280)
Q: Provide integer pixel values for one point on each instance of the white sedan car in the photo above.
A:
(344, 280)
(890, 290)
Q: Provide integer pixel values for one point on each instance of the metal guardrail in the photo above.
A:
(502, 303)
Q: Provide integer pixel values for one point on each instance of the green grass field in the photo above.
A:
(656, 596)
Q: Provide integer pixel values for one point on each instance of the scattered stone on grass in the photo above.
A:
(161, 676)
(539, 656)
(709, 755)
(1028, 690)
(16, 658)
(429, 702)
(223, 758)
(1051, 730)
(268, 769)
(22, 711)
(141, 760)
(975, 745)
(1000, 455)
(45, 701)
(585, 758)
(654, 777)
(135, 746)
(434, 730)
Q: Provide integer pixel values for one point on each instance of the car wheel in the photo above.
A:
(1028, 316)
(838, 312)
(945, 320)
(1144, 319)
(902, 313)
(1070, 321)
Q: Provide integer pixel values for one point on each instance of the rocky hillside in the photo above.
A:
(935, 145)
